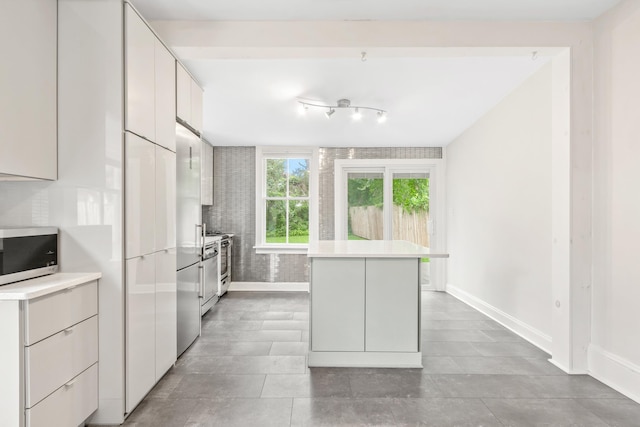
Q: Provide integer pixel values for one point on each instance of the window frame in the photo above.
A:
(262, 155)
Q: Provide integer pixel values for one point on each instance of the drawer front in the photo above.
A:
(52, 313)
(54, 361)
(70, 405)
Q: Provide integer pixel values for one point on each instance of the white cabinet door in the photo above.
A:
(139, 76)
(165, 85)
(165, 209)
(140, 329)
(166, 311)
(207, 174)
(28, 85)
(393, 298)
(337, 304)
(140, 177)
(196, 106)
(183, 93)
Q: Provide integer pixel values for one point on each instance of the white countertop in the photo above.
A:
(370, 249)
(44, 285)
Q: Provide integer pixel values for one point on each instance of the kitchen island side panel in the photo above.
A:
(337, 304)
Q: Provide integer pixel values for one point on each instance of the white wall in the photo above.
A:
(499, 211)
(614, 354)
(86, 201)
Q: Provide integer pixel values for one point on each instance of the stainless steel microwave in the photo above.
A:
(27, 252)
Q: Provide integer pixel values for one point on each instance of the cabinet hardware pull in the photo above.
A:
(70, 383)
(68, 331)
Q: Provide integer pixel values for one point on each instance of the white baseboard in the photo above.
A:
(614, 371)
(529, 333)
(269, 286)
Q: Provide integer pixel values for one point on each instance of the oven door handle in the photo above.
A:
(202, 279)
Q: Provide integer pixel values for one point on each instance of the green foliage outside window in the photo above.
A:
(412, 194)
(295, 173)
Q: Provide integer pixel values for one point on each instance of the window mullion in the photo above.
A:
(286, 210)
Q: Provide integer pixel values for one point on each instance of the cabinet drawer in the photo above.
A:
(50, 314)
(54, 361)
(70, 405)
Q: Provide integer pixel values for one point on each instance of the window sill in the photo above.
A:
(282, 249)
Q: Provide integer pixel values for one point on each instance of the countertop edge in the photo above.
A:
(44, 285)
(376, 255)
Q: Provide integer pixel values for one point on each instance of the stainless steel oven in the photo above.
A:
(27, 252)
(209, 278)
(226, 246)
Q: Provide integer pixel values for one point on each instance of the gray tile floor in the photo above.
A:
(249, 369)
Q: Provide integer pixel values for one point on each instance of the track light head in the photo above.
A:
(329, 113)
(382, 116)
(302, 109)
(357, 115)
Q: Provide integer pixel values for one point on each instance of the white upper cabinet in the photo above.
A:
(188, 98)
(165, 211)
(196, 106)
(206, 188)
(28, 84)
(183, 93)
(165, 93)
(140, 204)
(139, 76)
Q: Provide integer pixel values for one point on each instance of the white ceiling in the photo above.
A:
(432, 97)
(319, 10)
(430, 100)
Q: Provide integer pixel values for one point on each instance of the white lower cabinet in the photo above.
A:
(49, 356)
(166, 311)
(151, 311)
(141, 328)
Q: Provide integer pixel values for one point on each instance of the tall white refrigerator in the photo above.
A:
(189, 235)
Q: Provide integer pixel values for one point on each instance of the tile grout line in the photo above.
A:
(491, 412)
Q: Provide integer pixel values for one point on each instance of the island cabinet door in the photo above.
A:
(393, 301)
(337, 304)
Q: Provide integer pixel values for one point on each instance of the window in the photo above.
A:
(286, 181)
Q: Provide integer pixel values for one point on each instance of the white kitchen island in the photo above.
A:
(365, 303)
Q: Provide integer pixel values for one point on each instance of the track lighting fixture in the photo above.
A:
(343, 104)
